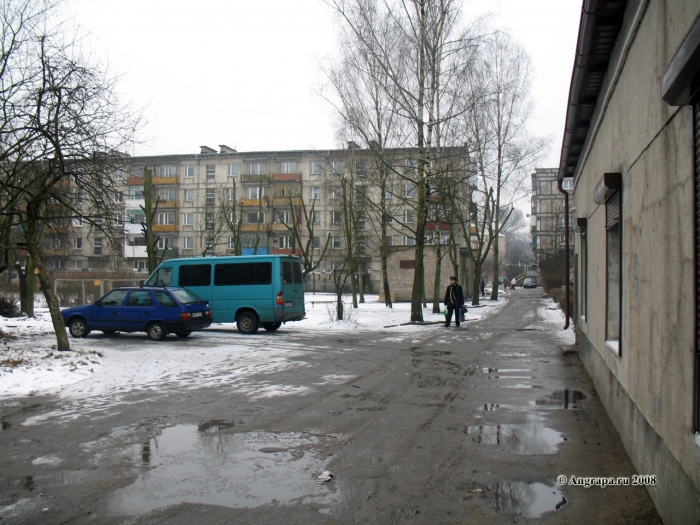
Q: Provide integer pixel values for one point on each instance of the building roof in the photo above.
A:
(600, 24)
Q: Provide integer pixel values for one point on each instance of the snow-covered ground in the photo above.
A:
(101, 366)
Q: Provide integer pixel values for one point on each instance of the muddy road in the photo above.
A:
(468, 425)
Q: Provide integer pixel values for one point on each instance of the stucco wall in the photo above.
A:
(650, 143)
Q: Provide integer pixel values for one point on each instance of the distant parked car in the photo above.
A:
(529, 282)
(156, 310)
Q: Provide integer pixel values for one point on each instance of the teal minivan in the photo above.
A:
(252, 291)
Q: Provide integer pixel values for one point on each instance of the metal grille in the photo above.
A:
(612, 210)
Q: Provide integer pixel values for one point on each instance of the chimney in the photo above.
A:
(352, 145)
(205, 150)
(225, 149)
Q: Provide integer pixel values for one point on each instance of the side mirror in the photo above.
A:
(141, 283)
(98, 302)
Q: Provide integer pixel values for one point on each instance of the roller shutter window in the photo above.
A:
(696, 140)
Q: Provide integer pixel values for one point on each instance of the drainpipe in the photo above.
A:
(566, 242)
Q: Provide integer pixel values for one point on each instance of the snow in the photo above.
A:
(103, 371)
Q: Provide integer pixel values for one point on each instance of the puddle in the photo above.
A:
(215, 425)
(531, 500)
(566, 399)
(249, 469)
(523, 440)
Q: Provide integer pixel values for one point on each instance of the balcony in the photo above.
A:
(430, 225)
(164, 228)
(167, 252)
(280, 227)
(168, 204)
(135, 181)
(135, 252)
(264, 227)
(164, 180)
(255, 202)
(255, 178)
(286, 251)
(284, 201)
(286, 177)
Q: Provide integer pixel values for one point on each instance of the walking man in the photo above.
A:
(482, 287)
(454, 300)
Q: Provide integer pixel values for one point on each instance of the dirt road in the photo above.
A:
(468, 425)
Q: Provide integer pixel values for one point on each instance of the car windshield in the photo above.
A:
(185, 296)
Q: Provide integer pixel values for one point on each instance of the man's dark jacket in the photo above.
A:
(454, 296)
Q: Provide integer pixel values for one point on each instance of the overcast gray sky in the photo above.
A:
(246, 73)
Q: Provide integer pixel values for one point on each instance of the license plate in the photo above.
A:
(288, 305)
(196, 314)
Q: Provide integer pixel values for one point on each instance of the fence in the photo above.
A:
(71, 292)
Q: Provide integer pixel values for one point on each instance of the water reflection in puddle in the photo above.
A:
(519, 439)
(233, 470)
(529, 499)
(566, 399)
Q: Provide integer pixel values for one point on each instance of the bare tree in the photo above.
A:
(62, 119)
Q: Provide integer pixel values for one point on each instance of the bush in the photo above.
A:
(8, 306)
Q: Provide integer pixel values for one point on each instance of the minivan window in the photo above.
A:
(298, 278)
(287, 272)
(161, 277)
(195, 275)
(243, 273)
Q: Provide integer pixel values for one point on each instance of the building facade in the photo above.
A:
(632, 150)
(227, 202)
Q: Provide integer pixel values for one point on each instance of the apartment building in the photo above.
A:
(222, 202)
(547, 218)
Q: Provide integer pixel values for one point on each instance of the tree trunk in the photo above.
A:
(23, 288)
(59, 325)
(496, 271)
(475, 282)
(436, 285)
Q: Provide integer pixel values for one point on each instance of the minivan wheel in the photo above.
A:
(271, 327)
(156, 331)
(247, 323)
(78, 328)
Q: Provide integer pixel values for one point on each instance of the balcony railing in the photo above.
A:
(284, 201)
(264, 227)
(164, 180)
(255, 202)
(167, 252)
(164, 227)
(255, 178)
(286, 177)
(168, 204)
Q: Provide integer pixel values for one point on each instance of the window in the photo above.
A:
(315, 192)
(195, 275)
(255, 192)
(409, 165)
(256, 168)
(166, 171)
(119, 197)
(255, 217)
(115, 298)
(285, 241)
(187, 243)
(335, 217)
(189, 171)
(209, 219)
(164, 299)
(78, 265)
(567, 183)
(316, 243)
(288, 167)
(164, 243)
(360, 170)
(233, 170)
(388, 192)
(77, 243)
(243, 274)
(140, 298)
(119, 174)
(58, 264)
(97, 246)
(79, 198)
(135, 193)
(77, 222)
(189, 195)
(230, 243)
(336, 266)
(167, 194)
(409, 190)
(389, 240)
(315, 217)
(315, 168)
(167, 217)
(230, 194)
(388, 218)
(286, 191)
(284, 217)
(409, 240)
(210, 197)
(140, 265)
(335, 242)
(139, 241)
(584, 275)
(211, 172)
(614, 272)
(337, 166)
(409, 216)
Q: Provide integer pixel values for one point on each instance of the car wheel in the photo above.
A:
(156, 331)
(78, 328)
(183, 334)
(247, 323)
(271, 327)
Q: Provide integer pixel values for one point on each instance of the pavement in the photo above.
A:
(477, 424)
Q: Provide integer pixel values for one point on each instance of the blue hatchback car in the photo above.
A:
(155, 310)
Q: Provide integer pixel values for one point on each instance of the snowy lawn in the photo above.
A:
(118, 366)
